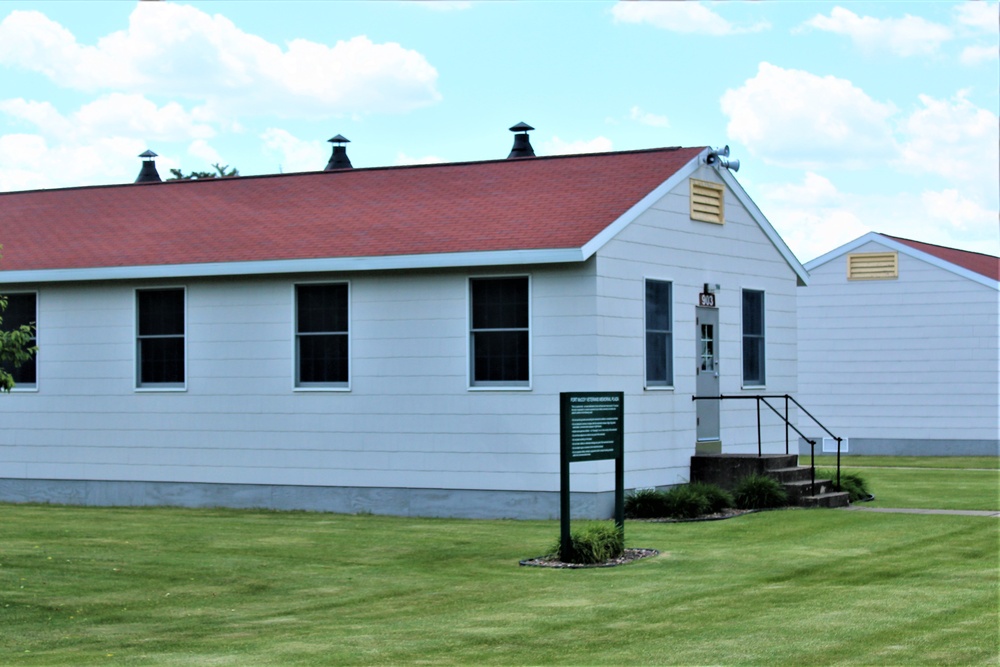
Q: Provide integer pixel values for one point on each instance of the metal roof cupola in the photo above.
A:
(148, 173)
(522, 147)
(339, 159)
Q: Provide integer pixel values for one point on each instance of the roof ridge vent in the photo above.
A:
(339, 159)
(522, 146)
(148, 173)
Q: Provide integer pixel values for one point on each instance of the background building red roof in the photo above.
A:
(986, 265)
(532, 203)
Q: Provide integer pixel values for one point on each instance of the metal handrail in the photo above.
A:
(788, 424)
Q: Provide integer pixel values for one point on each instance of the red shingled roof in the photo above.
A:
(535, 203)
(986, 265)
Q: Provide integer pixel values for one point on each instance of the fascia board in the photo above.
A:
(642, 205)
(765, 226)
(910, 251)
(323, 265)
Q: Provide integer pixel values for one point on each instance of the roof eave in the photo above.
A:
(287, 266)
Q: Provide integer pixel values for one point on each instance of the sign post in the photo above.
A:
(591, 429)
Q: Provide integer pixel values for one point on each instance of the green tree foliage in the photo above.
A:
(15, 347)
(221, 171)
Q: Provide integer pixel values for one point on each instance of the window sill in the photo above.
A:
(162, 389)
(655, 387)
(500, 387)
(321, 388)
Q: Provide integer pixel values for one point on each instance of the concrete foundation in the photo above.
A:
(453, 503)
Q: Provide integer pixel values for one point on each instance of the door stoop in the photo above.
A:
(707, 447)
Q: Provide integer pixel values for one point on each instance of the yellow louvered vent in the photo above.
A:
(873, 266)
(706, 202)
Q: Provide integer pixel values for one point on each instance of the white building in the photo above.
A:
(898, 347)
(391, 340)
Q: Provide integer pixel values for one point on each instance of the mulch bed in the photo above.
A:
(629, 555)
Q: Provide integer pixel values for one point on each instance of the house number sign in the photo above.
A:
(706, 300)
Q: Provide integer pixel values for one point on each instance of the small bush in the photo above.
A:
(683, 502)
(645, 504)
(851, 482)
(759, 492)
(595, 543)
(717, 498)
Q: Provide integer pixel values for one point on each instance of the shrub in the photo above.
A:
(683, 502)
(851, 482)
(595, 543)
(717, 498)
(759, 492)
(645, 504)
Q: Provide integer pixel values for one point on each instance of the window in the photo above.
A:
(499, 332)
(873, 266)
(659, 336)
(707, 202)
(21, 310)
(160, 339)
(321, 335)
(753, 338)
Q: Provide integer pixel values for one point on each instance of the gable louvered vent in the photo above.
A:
(706, 202)
(873, 266)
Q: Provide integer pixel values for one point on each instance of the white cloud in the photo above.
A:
(953, 139)
(819, 121)
(402, 159)
(200, 149)
(114, 115)
(556, 146)
(646, 118)
(294, 154)
(178, 50)
(682, 17)
(814, 217)
(956, 211)
(978, 15)
(908, 36)
(27, 161)
(974, 55)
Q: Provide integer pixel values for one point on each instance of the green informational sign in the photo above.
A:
(592, 427)
(592, 423)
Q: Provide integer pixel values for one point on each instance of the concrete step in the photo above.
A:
(802, 488)
(784, 475)
(831, 499)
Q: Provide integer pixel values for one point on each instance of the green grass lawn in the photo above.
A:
(854, 461)
(931, 482)
(144, 586)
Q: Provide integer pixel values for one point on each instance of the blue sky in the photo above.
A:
(846, 117)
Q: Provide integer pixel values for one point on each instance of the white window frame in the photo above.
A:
(26, 387)
(669, 385)
(762, 337)
(487, 385)
(137, 365)
(298, 385)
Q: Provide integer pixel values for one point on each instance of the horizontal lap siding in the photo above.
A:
(408, 421)
(665, 244)
(911, 358)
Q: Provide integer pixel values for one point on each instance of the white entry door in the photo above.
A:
(707, 364)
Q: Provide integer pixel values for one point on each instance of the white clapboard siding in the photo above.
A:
(910, 358)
